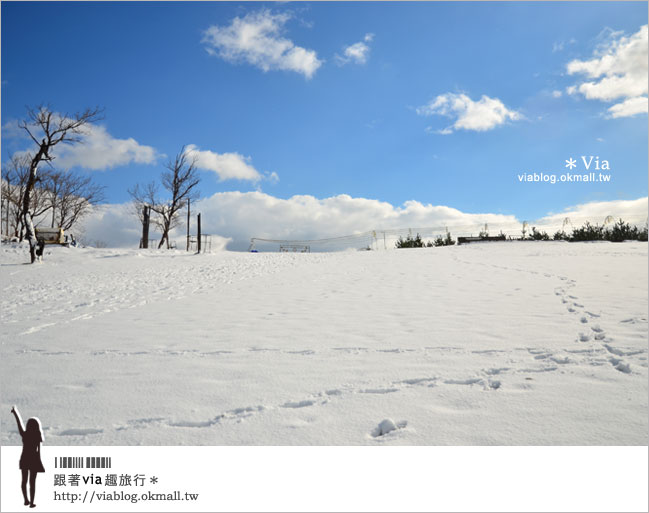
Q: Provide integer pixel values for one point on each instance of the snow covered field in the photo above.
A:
(486, 344)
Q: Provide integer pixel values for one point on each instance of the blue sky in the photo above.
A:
(437, 103)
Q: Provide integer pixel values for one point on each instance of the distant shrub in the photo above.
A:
(587, 232)
(409, 242)
(537, 235)
(621, 231)
(444, 241)
(560, 235)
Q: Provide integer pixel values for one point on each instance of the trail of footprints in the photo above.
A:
(595, 333)
(238, 415)
(70, 299)
(592, 332)
(487, 378)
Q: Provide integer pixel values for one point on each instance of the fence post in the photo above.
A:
(198, 238)
(188, 219)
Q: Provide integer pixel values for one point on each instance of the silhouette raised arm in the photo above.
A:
(19, 421)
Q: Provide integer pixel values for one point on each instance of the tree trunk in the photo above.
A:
(30, 233)
(27, 198)
(165, 234)
(31, 236)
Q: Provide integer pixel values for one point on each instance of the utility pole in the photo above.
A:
(188, 218)
(198, 238)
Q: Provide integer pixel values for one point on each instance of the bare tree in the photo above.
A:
(179, 181)
(146, 196)
(15, 175)
(14, 178)
(53, 129)
(54, 187)
(71, 197)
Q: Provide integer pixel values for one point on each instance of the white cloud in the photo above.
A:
(481, 115)
(96, 149)
(629, 107)
(12, 130)
(558, 46)
(618, 70)
(113, 224)
(99, 150)
(257, 39)
(273, 177)
(556, 94)
(596, 212)
(228, 166)
(356, 53)
(238, 216)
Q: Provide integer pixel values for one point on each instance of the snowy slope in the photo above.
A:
(499, 343)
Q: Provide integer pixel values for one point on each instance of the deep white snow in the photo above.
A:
(495, 343)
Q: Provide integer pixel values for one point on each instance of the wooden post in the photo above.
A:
(198, 237)
(188, 218)
(7, 214)
(145, 226)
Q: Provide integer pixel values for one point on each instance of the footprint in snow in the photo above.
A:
(299, 404)
(620, 365)
(614, 350)
(80, 432)
(495, 371)
(417, 381)
(494, 384)
(471, 381)
(379, 390)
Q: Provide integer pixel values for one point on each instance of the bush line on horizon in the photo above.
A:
(619, 232)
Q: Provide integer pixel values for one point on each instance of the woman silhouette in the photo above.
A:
(30, 459)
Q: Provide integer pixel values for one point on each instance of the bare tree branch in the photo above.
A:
(55, 129)
(179, 181)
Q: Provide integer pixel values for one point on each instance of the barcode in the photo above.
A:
(82, 462)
